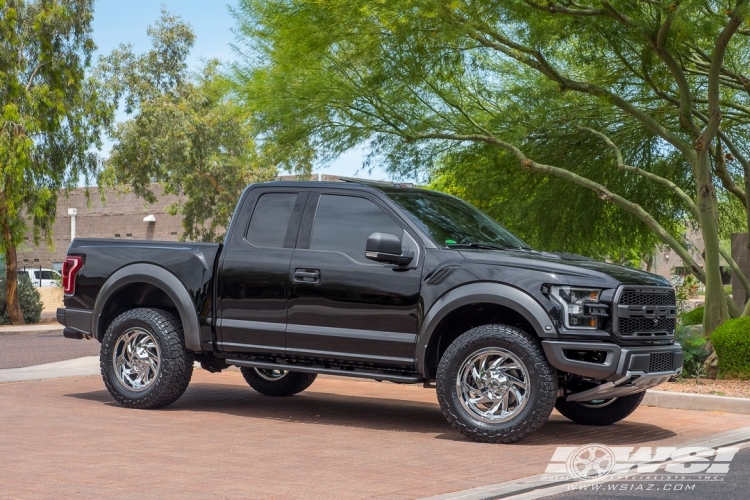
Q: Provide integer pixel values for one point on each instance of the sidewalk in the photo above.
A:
(43, 327)
(85, 366)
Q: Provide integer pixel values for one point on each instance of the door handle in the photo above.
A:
(307, 276)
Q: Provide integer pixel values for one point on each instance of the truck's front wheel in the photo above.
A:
(144, 361)
(495, 385)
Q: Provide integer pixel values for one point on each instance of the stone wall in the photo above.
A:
(121, 216)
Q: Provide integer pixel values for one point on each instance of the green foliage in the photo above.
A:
(51, 114)
(186, 132)
(31, 301)
(731, 340)
(693, 349)
(510, 103)
(694, 317)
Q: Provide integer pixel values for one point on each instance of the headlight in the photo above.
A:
(581, 308)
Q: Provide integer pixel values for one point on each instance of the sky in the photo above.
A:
(118, 22)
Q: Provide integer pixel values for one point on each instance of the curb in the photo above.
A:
(702, 402)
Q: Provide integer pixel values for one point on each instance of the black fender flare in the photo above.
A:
(493, 293)
(160, 278)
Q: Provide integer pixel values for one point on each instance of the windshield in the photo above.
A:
(452, 222)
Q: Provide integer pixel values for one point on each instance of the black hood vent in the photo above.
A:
(437, 277)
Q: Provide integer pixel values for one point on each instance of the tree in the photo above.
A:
(416, 80)
(186, 131)
(52, 116)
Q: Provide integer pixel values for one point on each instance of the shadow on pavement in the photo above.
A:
(380, 414)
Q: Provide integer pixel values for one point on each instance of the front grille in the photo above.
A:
(640, 327)
(639, 298)
(630, 322)
(662, 362)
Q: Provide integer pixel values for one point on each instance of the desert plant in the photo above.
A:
(31, 301)
(731, 341)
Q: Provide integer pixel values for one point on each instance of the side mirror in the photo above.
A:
(386, 247)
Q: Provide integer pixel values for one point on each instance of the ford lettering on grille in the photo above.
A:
(645, 312)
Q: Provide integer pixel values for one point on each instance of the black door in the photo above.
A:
(254, 275)
(342, 305)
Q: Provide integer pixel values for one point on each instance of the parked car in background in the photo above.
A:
(43, 277)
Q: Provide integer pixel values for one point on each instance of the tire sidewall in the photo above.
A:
(507, 338)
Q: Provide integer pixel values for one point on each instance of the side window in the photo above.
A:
(270, 219)
(343, 223)
(36, 275)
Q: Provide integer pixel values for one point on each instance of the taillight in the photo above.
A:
(71, 266)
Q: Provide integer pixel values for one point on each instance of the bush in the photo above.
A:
(731, 341)
(693, 349)
(694, 317)
(31, 301)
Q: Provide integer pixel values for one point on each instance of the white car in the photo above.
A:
(43, 277)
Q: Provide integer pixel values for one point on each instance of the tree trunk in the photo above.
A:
(13, 305)
(716, 310)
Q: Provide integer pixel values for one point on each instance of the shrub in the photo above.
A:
(31, 301)
(693, 349)
(694, 317)
(731, 341)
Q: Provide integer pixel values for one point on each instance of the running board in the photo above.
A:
(402, 379)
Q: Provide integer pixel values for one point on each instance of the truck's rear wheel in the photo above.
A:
(143, 360)
(279, 383)
(600, 412)
(495, 385)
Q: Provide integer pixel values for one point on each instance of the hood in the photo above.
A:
(558, 262)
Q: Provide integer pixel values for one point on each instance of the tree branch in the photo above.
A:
(717, 62)
(535, 60)
(720, 167)
(34, 73)
(603, 193)
(686, 199)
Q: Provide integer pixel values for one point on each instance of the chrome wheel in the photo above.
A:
(493, 385)
(136, 359)
(271, 375)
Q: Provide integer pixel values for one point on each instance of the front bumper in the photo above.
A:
(77, 322)
(622, 370)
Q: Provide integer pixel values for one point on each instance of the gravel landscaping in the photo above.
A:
(733, 388)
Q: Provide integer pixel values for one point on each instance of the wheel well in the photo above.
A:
(132, 296)
(463, 319)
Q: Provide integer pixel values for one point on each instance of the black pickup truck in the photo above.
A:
(380, 281)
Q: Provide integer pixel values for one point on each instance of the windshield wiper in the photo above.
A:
(481, 246)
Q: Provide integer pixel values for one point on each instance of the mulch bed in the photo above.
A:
(733, 388)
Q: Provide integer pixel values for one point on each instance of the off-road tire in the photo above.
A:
(542, 386)
(290, 384)
(619, 409)
(176, 362)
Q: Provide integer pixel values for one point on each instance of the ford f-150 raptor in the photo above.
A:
(380, 281)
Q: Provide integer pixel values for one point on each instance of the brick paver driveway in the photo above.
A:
(66, 438)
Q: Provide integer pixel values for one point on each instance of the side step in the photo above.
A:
(402, 379)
